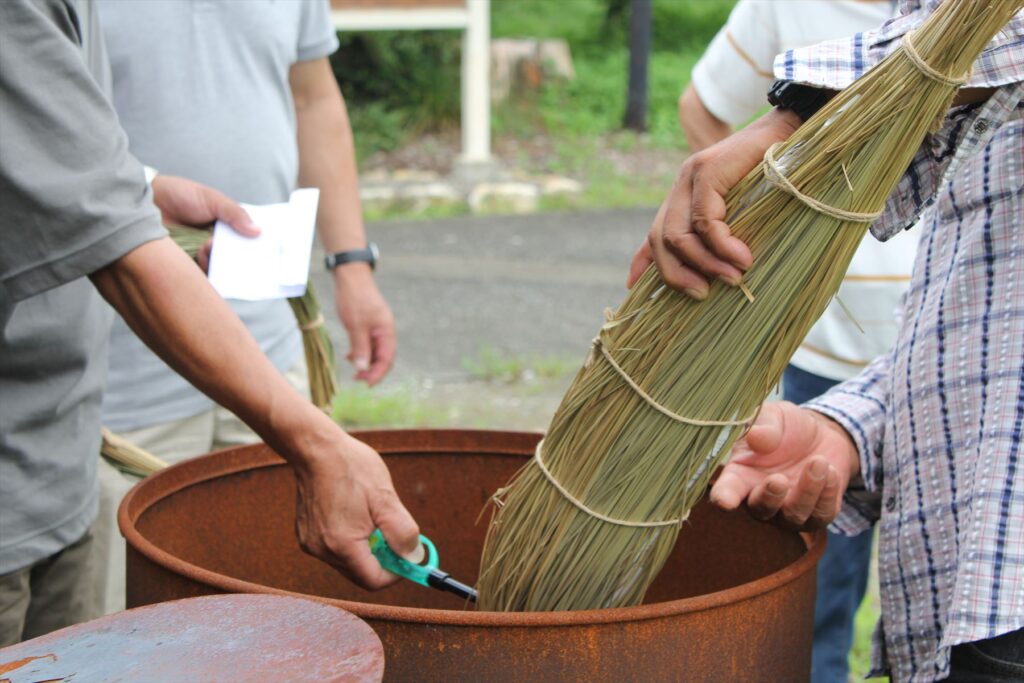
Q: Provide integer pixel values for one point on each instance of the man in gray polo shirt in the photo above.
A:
(180, 73)
(74, 204)
(179, 106)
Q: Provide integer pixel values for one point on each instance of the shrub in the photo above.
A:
(409, 71)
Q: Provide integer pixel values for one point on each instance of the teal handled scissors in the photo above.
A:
(425, 574)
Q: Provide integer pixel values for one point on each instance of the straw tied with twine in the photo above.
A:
(774, 175)
(598, 347)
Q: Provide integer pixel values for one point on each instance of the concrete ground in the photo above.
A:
(494, 314)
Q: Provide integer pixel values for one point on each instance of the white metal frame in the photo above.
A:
(474, 20)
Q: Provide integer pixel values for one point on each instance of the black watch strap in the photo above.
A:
(371, 254)
(804, 100)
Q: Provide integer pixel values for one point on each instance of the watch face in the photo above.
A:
(374, 251)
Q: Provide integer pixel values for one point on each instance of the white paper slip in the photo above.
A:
(274, 265)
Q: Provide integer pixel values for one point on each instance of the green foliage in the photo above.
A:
(376, 126)
(594, 26)
(579, 22)
(593, 103)
(863, 627)
(397, 83)
(687, 24)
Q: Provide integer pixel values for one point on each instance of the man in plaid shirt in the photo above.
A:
(927, 440)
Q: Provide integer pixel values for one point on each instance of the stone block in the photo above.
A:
(506, 197)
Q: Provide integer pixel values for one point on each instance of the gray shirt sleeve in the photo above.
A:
(72, 199)
(317, 37)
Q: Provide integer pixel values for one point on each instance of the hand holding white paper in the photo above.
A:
(274, 265)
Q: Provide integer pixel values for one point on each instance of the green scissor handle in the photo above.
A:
(396, 564)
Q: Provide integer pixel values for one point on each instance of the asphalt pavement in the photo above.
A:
(527, 286)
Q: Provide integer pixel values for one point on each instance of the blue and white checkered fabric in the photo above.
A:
(939, 421)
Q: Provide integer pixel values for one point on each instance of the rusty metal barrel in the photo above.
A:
(212, 638)
(734, 602)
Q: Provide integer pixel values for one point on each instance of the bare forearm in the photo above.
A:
(165, 299)
(343, 488)
(701, 128)
(327, 160)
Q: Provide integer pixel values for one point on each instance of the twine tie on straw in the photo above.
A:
(313, 324)
(927, 69)
(594, 513)
(599, 346)
(774, 175)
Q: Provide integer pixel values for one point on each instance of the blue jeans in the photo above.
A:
(842, 571)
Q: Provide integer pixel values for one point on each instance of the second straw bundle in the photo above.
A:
(670, 383)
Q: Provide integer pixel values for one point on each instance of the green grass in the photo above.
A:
(356, 406)
(864, 625)
(407, 211)
(493, 365)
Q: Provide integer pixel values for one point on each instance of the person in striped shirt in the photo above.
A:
(926, 441)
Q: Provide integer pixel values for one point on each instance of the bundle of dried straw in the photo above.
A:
(670, 383)
(319, 352)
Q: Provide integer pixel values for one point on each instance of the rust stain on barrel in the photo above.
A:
(217, 638)
(734, 602)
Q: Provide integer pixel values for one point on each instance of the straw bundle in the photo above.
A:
(316, 344)
(320, 364)
(128, 457)
(670, 383)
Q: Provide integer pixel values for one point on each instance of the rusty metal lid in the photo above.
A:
(215, 638)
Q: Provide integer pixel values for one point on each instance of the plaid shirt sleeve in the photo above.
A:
(836, 64)
(859, 406)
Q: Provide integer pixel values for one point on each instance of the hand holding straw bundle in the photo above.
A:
(316, 344)
(671, 383)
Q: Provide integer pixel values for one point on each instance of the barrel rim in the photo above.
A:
(234, 460)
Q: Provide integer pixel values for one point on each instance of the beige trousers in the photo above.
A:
(48, 595)
(172, 441)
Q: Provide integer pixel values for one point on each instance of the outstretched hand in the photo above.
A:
(793, 467)
(690, 242)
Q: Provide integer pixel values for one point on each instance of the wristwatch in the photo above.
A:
(803, 100)
(371, 254)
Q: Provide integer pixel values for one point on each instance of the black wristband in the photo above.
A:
(371, 254)
(803, 100)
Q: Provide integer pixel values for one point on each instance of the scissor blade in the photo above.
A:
(444, 582)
